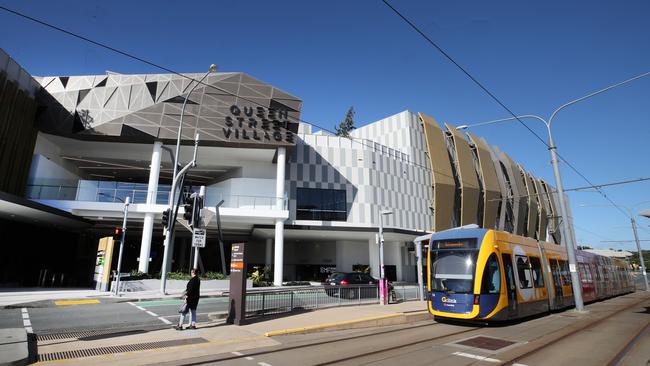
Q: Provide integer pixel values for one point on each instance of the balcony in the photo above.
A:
(114, 192)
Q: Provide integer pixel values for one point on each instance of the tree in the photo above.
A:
(347, 125)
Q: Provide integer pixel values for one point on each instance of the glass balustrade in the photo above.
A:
(115, 192)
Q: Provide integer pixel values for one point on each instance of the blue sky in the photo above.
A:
(336, 54)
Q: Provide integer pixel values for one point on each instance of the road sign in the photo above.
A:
(198, 238)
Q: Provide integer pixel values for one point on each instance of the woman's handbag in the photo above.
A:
(183, 308)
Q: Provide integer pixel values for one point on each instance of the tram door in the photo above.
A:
(510, 284)
(557, 284)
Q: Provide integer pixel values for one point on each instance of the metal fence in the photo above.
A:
(276, 301)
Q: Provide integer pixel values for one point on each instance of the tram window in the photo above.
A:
(564, 270)
(583, 273)
(491, 283)
(538, 278)
(523, 270)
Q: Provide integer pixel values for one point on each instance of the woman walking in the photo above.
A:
(192, 294)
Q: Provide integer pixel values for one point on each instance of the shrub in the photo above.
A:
(178, 276)
(297, 283)
(213, 276)
(137, 275)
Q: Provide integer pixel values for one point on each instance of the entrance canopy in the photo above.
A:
(14, 208)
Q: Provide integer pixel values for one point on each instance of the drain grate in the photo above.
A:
(83, 334)
(90, 352)
(488, 343)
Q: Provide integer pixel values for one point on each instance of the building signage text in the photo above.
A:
(258, 123)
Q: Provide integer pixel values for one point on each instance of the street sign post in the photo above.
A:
(237, 300)
(198, 238)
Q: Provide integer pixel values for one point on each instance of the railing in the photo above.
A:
(275, 301)
(99, 194)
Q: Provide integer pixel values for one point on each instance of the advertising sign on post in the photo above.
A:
(103, 263)
(237, 300)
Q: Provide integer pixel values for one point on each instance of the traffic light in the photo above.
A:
(117, 234)
(165, 218)
(189, 211)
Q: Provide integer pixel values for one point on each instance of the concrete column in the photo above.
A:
(152, 192)
(278, 265)
(268, 258)
(373, 257)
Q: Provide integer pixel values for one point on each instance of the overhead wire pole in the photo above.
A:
(577, 290)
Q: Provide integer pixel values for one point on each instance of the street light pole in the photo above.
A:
(383, 285)
(638, 247)
(568, 238)
(175, 176)
(119, 258)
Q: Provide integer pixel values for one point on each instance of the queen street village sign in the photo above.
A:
(259, 124)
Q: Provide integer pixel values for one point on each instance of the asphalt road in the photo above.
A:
(46, 317)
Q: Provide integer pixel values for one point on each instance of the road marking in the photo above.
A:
(26, 322)
(237, 353)
(75, 302)
(476, 357)
(518, 364)
(162, 319)
(249, 358)
(264, 364)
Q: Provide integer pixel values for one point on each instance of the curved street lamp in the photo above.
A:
(175, 176)
(570, 246)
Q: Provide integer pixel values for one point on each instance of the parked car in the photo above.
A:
(360, 285)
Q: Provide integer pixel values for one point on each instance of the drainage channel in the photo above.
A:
(95, 333)
(90, 352)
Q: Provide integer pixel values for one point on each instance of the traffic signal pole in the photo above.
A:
(174, 209)
(196, 220)
(119, 258)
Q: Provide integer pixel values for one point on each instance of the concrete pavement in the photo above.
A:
(217, 337)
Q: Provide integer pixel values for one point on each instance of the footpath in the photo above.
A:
(152, 347)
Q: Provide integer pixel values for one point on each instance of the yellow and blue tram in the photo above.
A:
(490, 275)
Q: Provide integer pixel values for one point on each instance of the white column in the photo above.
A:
(152, 192)
(278, 265)
(268, 259)
(373, 257)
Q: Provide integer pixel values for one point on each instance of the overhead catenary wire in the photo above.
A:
(498, 101)
(169, 70)
(359, 141)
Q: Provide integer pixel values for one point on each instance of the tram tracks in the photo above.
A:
(560, 336)
(331, 342)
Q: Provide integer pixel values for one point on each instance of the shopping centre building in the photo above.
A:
(306, 203)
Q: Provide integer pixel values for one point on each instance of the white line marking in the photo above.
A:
(25, 316)
(152, 313)
(130, 303)
(249, 358)
(141, 308)
(518, 364)
(164, 320)
(237, 353)
(264, 364)
(29, 329)
(476, 357)
(27, 323)
(24, 310)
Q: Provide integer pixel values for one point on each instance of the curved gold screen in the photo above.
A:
(491, 188)
(533, 207)
(441, 174)
(469, 187)
(543, 210)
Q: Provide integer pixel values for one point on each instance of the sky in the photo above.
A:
(533, 56)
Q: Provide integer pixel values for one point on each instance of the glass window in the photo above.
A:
(452, 271)
(564, 270)
(538, 277)
(523, 270)
(321, 204)
(491, 276)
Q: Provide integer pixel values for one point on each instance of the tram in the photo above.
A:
(489, 275)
